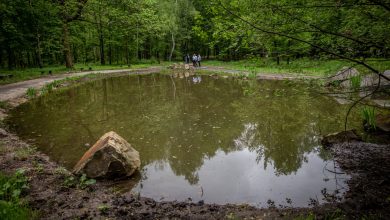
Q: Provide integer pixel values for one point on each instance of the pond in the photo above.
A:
(225, 140)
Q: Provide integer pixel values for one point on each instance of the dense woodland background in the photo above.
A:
(37, 33)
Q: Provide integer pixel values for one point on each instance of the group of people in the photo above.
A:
(196, 58)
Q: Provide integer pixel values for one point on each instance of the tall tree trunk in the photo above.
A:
(101, 42)
(66, 46)
(11, 58)
(39, 53)
(173, 47)
(127, 51)
(109, 49)
(1, 59)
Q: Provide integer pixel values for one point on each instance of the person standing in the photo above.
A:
(199, 58)
(194, 60)
(187, 58)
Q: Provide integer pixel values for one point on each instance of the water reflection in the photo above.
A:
(237, 140)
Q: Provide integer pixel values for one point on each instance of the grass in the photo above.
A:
(298, 67)
(368, 114)
(11, 190)
(356, 81)
(31, 93)
(24, 153)
(32, 73)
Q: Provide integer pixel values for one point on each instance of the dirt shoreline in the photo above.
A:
(54, 199)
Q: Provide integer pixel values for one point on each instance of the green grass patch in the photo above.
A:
(11, 190)
(307, 67)
(31, 93)
(356, 81)
(368, 114)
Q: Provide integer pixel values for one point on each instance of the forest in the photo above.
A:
(38, 33)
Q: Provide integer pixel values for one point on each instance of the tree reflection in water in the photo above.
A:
(180, 127)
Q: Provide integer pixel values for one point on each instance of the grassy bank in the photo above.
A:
(307, 67)
(32, 73)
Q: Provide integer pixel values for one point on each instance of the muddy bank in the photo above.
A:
(369, 167)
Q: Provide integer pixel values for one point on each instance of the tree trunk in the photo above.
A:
(101, 42)
(173, 48)
(66, 46)
(109, 49)
(39, 54)
(11, 58)
(127, 51)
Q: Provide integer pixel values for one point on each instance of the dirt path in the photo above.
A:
(16, 90)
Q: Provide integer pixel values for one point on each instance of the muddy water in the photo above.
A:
(200, 138)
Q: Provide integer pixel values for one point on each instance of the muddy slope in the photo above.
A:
(369, 187)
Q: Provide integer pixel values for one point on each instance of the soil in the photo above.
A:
(369, 188)
(54, 198)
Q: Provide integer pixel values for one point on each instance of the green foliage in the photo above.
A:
(11, 188)
(85, 182)
(31, 92)
(103, 208)
(368, 114)
(82, 183)
(124, 33)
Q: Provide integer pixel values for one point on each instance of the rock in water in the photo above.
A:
(110, 157)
